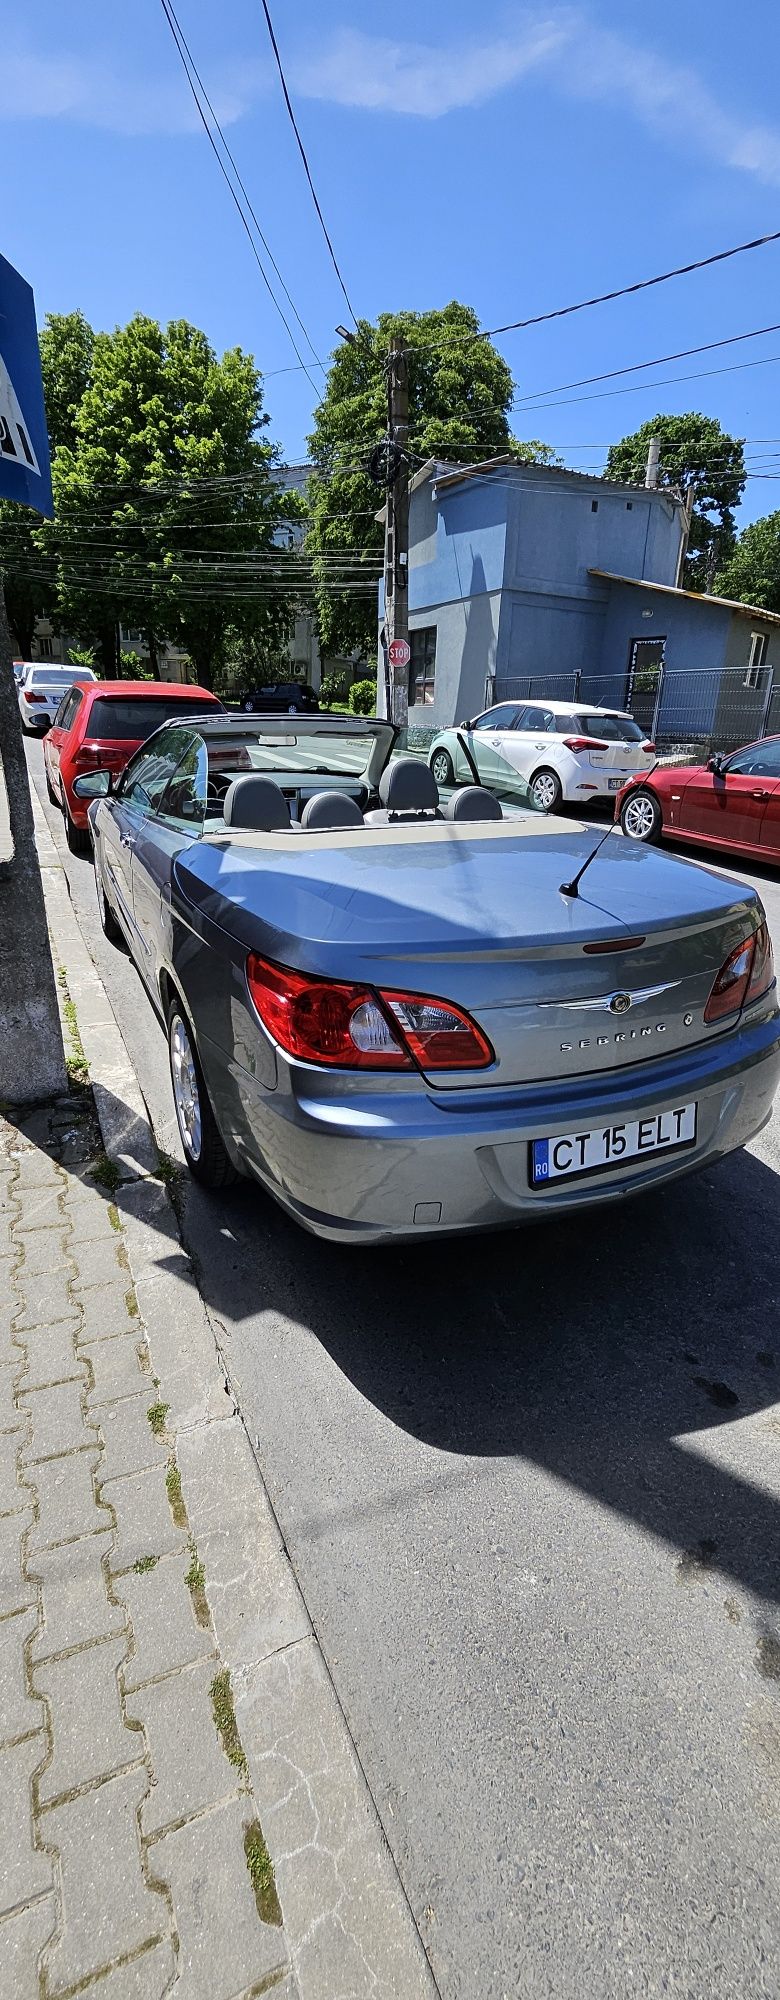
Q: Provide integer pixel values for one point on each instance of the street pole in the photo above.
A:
(397, 535)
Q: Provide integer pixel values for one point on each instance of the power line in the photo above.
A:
(302, 151)
(606, 298)
(190, 73)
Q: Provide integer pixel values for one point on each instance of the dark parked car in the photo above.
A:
(281, 698)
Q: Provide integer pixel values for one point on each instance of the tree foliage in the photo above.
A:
(694, 450)
(752, 573)
(164, 495)
(460, 395)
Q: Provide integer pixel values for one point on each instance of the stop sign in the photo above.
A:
(399, 652)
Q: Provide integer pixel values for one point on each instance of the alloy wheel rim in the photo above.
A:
(186, 1095)
(544, 792)
(639, 817)
(441, 768)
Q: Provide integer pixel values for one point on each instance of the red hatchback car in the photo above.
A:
(98, 725)
(732, 802)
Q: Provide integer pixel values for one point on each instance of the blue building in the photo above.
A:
(528, 572)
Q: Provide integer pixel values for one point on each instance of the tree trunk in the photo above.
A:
(32, 1062)
(108, 650)
(21, 617)
(154, 657)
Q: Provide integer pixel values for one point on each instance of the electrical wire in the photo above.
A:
(181, 47)
(302, 151)
(605, 298)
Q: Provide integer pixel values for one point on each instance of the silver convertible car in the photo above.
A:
(408, 1018)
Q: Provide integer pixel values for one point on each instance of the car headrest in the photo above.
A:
(256, 802)
(473, 802)
(331, 809)
(408, 785)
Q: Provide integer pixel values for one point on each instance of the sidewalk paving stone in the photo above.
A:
(144, 1522)
(20, 1713)
(129, 1441)
(22, 1938)
(24, 1872)
(146, 1977)
(224, 1947)
(104, 1310)
(11, 1418)
(116, 1370)
(12, 1495)
(90, 1739)
(57, 1423)
(8, 1287)
(191, 1770)
(76, 1607)
(66, 1500)
(46, 1298)
(15, 1591)
(41, 1252)
(99, 1263)
(108, 1911)
(165, 1633)
(48, 1354)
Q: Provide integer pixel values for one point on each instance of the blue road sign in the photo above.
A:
(25, 471)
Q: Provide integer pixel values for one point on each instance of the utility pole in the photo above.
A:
(397, 535)
(653, 459)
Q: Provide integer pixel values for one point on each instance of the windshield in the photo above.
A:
(331, 750)
(57, 677)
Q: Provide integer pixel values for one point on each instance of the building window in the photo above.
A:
(758, 649)
(594, 506)
(629, 506)
(422, 666)
(45, 648)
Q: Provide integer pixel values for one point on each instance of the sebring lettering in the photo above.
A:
(609, 1041)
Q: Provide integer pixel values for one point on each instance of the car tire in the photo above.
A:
(442, 767)
(203, 1149)
(546, 790)
(640, 816)
(108, 922)
(78, 838)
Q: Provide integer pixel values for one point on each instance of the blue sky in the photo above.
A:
(515, 157)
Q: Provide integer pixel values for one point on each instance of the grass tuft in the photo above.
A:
(261, 1874)
(75, 1060)
(113, 1217)
(157, 1414)
(106, 1173)
(225, 1719)
(167, 1169)
(195, 1580)
(145, 1563)
(173, 1489)
(132, 1303)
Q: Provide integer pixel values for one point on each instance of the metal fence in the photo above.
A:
(695, 709)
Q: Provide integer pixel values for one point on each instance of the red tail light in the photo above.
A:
(584, 743)
(747, 973)
(29, 696)
(353, 1027)
(649, 748)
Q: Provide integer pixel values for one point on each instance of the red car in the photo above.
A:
(98, 725)
(731, 802)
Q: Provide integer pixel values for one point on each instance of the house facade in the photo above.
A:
(518, 572)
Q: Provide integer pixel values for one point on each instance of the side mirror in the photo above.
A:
(92, 784)
(463, 725)
(717, 764)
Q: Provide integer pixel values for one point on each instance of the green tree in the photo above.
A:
(26, 550)
(752, 573)
(165, 499)
(694, 451)
(460, 395)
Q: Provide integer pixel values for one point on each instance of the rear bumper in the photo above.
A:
(593, 783)
(357, 1166)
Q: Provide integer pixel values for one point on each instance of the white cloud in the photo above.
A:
(377, 74)
(577, 58)
(115, 97)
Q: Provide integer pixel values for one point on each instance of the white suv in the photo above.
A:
(563, 750)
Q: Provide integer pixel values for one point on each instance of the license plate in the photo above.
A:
(575, 1155)
(615, 784)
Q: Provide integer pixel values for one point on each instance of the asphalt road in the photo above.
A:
(530, 1487)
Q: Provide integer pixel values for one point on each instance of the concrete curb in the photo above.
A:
(349, 1927)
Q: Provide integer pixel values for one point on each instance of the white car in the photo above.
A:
(563, 750)
(41, 689)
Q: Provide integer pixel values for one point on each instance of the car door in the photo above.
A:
(487, 738)
(532, 741)
(177, 821)
(63, 722)
(730, 805)
(138, 793)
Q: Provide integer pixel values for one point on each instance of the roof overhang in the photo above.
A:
(753, 611)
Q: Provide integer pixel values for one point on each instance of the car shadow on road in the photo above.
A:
(619, 1350)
